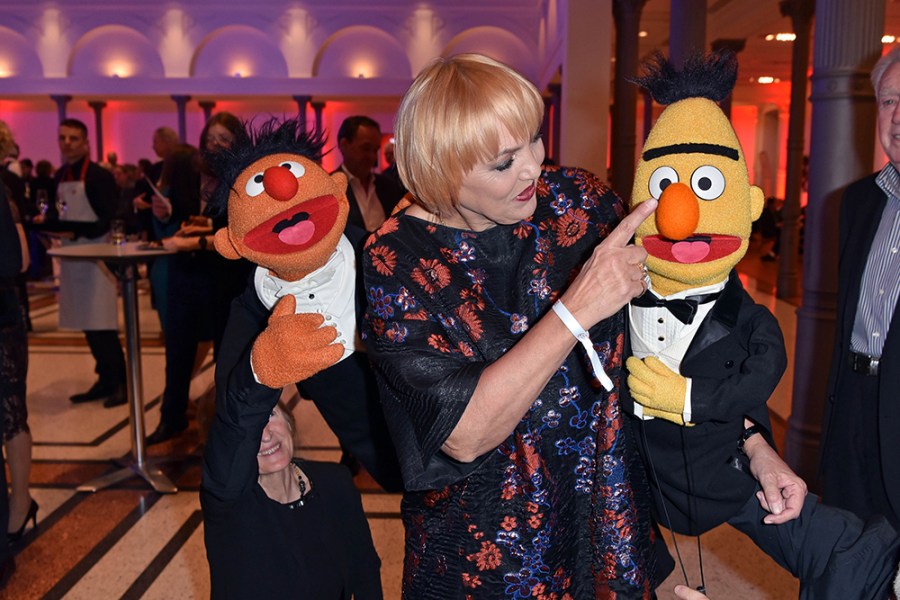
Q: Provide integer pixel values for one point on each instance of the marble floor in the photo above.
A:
(129, 542)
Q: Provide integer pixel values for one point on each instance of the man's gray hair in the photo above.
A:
(882, 65)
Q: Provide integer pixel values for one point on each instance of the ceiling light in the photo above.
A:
(643, 34)
(888, 39)
(781, 37)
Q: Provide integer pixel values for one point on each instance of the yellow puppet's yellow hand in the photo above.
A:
(656, 386)
(676, 418)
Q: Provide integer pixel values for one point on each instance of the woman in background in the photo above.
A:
(14, 368)
(214, 282)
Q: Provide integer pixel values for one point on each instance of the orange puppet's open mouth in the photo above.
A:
(297, 228)
(699, 248)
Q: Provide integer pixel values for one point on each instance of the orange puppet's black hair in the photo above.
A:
(275, 136)
(709, 76)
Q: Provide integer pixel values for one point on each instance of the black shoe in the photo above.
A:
(117, 398)
(7, 568)
(98, 391)
(14, 536)
(164, 432)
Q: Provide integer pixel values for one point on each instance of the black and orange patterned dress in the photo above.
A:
(560, 510)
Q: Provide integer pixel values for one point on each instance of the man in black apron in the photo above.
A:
(86, 201)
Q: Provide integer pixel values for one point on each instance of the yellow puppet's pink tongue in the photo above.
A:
(690, 252)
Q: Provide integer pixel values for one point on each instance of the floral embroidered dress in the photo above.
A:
(560, 509)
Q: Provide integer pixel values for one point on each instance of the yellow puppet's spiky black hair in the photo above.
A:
(709, 76)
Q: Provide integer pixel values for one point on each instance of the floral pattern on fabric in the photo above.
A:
(559, 511)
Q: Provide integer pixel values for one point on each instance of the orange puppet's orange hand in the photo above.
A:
(293, 346)
(659, 389)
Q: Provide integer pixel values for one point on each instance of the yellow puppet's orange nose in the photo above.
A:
(678, 212)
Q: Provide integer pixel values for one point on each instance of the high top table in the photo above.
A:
(124, 259)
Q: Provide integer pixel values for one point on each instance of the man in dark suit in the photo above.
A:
(372, 195)
(861, 439)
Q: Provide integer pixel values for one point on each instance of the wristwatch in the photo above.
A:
(750, 431)
(201, 242)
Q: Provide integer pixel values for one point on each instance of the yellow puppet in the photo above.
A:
(693, 164)
(706, 355)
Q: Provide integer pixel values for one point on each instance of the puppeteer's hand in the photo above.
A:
(783, 491)
(657, 387)
(683, 592)
(293, 346)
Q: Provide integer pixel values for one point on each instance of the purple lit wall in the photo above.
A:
(249, 58)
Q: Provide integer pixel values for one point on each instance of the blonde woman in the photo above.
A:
(17, 509)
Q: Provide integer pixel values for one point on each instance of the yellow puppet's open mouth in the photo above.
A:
(698, 248)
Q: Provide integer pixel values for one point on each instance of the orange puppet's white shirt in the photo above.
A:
(655, 332)
(330, 291)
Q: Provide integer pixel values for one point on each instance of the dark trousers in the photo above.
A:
(5, 549)
(854, 479)
(109, 356)
(346, 395)
(188, 322)
(835, 554)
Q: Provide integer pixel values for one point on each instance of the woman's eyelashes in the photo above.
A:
(505, 164)
(508, 162)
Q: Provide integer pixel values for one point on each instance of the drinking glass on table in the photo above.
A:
(42, 203)
(117, 232)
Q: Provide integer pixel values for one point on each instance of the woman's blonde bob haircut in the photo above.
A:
(451, 120)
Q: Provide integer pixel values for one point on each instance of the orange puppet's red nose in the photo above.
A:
(280, 183)
(678, 212)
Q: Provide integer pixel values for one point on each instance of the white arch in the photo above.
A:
(238, 51)
(114, 51)
(362, 50)
(17, 57)
(499, 44)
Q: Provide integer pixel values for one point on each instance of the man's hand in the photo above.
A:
(161, 207)
(293, 346)
(178, 244)
(686, 593)
(782, 491)
(140, 203)
(60, 235)
(189, 229)
(657, 387)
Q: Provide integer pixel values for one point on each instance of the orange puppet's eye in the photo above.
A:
(254, 185)
(296, 169)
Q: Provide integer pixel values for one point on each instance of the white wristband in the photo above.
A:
(582, 336)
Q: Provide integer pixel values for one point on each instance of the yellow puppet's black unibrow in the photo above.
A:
(691, 148)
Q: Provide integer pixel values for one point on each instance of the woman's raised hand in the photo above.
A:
(614, 273)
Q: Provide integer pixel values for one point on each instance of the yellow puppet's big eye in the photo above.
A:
(660, 179)
(708, 182)
(254, 185)
(296, 169)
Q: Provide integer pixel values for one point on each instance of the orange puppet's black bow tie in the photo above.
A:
(682, 309)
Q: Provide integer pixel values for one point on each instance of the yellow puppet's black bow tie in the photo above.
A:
(682, 309)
